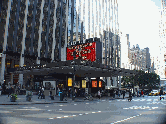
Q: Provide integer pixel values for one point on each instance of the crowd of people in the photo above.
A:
(10, 89)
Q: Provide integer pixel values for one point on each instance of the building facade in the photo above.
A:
(125, 47)
(39, 31)
(139, 59)
(162, 44)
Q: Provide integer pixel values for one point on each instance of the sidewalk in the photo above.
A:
(5, 100)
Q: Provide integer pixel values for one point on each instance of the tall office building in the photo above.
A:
(125, 47)
(38, 32)
(162, 44)
(139, 59)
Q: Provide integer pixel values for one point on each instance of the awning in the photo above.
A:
(82, 68)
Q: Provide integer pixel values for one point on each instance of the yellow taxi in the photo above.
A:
(154, 93)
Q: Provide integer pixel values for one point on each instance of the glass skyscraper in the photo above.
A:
(38, 31)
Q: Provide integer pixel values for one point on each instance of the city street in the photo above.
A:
(148, 109)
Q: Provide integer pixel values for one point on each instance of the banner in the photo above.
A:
(100, 84)
(69, 82)
(83, 83)
(94, 83)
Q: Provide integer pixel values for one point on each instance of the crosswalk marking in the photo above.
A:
(141, 100)
(141, 107)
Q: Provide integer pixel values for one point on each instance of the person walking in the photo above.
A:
(69, 93)
(130, 96)
(142, 93)
(75, 92)
(99, 94)
(123, 94)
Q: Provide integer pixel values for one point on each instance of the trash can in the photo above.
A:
(61, 96)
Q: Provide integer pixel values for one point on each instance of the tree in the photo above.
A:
(141, 79)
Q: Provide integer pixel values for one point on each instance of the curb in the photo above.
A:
(31, 103)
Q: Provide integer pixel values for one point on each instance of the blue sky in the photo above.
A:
(157, 3)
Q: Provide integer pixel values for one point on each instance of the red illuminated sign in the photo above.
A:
(85, 51)
(94, 83)
(100, 84)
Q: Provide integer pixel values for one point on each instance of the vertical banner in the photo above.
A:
(69, 82)
(83, 83)
(100, 84)
(94, 83)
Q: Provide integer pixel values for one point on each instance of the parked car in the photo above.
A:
(154, 93)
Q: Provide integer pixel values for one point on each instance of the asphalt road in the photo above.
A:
(139, 111)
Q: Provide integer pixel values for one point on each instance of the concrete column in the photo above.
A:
(40, 31)
(108, 81)
(11, 81)
(114, 81)
(23, 43)
(119, 81)
(55, 20)
(21, 79)
(5, 43)
(63, 50)
(91, 24)
(77, 12)
(98, 31)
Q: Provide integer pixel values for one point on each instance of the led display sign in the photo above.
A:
(100, 84)
(86, 51)
(69, 82)
(94, 83)
(83, 83)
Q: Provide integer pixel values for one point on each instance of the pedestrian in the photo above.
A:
(75, 92)
(99, 94)
(142, 93)
(40, 93)
(137, 93)
(130, 96)
(123, 94)
(69, 93)
(116, 93)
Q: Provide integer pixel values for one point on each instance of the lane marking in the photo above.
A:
(126, 119)
(58, 117)
(51, 118)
